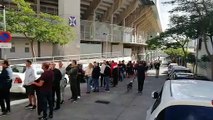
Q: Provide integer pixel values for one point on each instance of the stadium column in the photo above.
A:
(70, 11)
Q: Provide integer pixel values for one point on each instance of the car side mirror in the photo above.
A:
(155, 95)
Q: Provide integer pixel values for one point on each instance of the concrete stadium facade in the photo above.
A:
(101, 26)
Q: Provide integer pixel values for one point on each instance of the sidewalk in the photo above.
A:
(122, 105)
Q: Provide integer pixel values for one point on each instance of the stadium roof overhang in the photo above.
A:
(142, 14)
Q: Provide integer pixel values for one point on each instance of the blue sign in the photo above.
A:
(72, 21)
(5, 37)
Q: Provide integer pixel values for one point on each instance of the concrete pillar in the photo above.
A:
(118, 49)
(106, 47)
(66, 9)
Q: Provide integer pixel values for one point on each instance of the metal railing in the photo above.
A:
(67, 58)
(100, 31)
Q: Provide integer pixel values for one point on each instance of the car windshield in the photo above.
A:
(182, 71)
(186, 113)
(18, 68)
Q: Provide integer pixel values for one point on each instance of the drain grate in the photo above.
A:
(102, 102)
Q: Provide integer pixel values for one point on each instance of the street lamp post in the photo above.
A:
(3, 23)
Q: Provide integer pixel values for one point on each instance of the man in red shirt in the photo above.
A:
(45, 84)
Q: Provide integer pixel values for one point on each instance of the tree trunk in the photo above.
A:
(184, 60)
(32, 48)
(39, 48)
(184, 57)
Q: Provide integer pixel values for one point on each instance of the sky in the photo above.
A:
(163, 13)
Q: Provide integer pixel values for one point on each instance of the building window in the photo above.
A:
(27, 48)
(12, 49)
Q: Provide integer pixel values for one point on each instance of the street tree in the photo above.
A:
(199, 20)
(40, 27)
(177, 36)
(175, 54)
(156, 42)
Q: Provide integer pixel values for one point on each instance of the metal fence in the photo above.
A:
(100, 31)
(67, 58)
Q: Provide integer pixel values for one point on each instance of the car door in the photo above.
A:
(150, 115)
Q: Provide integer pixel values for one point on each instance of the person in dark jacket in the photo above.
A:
(79, 79)
(56, 86)
(157, 67)
(95, 76)
(107, 75)
(44, 85)
(129, 69)
(141, 71)
(124, 68)
(5, 85)
(73, 73)
(115, 75)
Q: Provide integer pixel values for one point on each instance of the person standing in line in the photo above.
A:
(95, 76)
(103, 66)
(157, 67)
(68, 68)
(79, 79)
(124, 68)
(73, 73)
(141, 72)
(5, 85)
(129, 68)
(63, 82)
(45, 85)
(151, 65)
(88, 74)
(56, 86)
(115, 74)
(39, 99)
(121, 72)
(107, 75)
(30, 89)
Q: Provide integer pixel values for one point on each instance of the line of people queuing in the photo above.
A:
(48, 90)
(112, 72)
(105, 71)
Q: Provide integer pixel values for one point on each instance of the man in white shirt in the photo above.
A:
(63, 82)
(30, 89)
(103, 66)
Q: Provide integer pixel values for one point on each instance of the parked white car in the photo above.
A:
(179, 69)
(182, 75)
(171, 65)
(19, 74)
(183, 100)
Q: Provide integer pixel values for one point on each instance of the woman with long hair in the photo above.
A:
(88, 74)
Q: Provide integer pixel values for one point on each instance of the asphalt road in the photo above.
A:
(121, 105)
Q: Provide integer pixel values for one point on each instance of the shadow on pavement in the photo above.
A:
(17, 96)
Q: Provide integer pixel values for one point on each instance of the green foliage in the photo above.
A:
(176, 36)
(191, 58)
(174, 53)
(154, 43)
(205, 58)
(174, 45)
(38, 27)
(196, 19)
